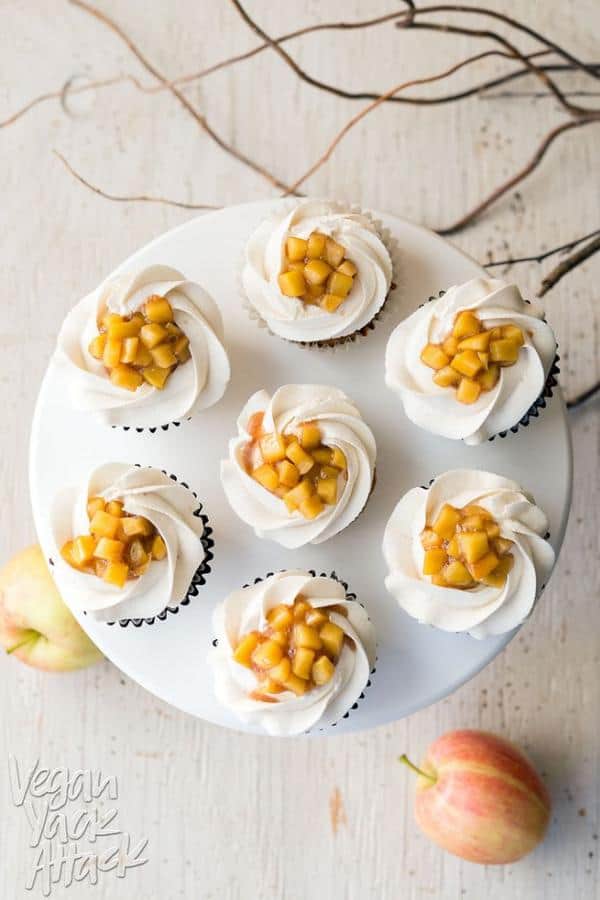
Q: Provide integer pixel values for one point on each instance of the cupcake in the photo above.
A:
(291, 652)
(468, 554)
(144, 349)
(302, 465)
(129, 542)
(472, 363)
(317, 274)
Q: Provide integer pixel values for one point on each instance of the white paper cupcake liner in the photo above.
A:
(344, 341)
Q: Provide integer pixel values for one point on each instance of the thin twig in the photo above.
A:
(275, 44)
(62, 93)
(568, 264)
(507, 20)
(548, 82)
(378, 102)
(582, 398)
(540, 257)
(199, 118)
(282, 39)
(186, 80)
(535, 95)
(519, 176)
(583, 116)
(513, 53)
(138, 198)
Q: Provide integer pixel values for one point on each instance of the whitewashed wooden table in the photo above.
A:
(226, 815)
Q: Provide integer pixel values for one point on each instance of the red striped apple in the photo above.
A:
(479, 798)
(35, 624)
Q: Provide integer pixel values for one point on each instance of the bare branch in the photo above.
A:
(199, 118)
(513, 53)
(519, 176)
(535, 95)
(568, 264)
(137, 198)
(540, 257)
(582, 398)
(60, 94)
(508, 20)
(300, 32)
(542, 75)
(185, 80)
(378, 102)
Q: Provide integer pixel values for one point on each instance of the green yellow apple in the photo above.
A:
(35, 624)
(480, 798)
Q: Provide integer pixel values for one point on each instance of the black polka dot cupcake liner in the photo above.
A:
(540, 403)
(539, 591)
(200, 575)
(150, 429)
(351, 597)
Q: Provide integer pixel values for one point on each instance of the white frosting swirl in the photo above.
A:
(145, 492)
(483, 610)
(194, 385)
(246, 610)
(436, 408)
(290, 317)
(341, 426)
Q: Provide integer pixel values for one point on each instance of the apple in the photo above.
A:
(479, 798)
(35, 624)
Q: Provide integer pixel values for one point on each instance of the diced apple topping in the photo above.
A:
(316, 271)
(119, 547)
(471, 357)
(463, 548)
(144, 347)
(297, 650)
(298, 468)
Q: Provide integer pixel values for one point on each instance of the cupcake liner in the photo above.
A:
(200, 574)
(150, 429)
(344, 341)
(542, 400)
(539, 404)
(542, 588)
(351, 597)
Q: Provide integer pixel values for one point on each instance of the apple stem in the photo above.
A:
(404, 759)
(33, 636)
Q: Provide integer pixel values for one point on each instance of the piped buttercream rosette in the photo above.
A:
(287, 714)
(194, 385)
(436, 408)
(168, 505)
(341, 426)
(290, 317)
(482, 610)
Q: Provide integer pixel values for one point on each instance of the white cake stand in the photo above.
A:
(417, 665)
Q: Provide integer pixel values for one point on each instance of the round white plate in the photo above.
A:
(417, 665)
